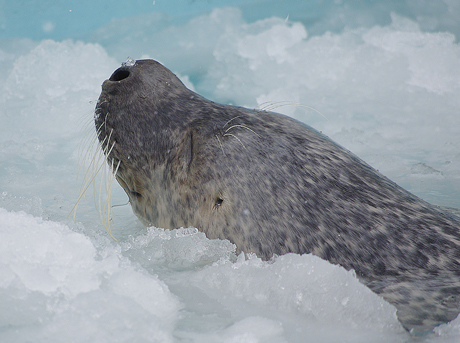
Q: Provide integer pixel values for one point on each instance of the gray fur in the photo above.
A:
(272, 186)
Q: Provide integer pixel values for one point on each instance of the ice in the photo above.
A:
(55, 281)
(49, 92)
(382, 79)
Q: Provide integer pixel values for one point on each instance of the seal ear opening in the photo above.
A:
(218, 203)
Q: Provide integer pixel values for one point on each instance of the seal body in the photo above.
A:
(272, 185)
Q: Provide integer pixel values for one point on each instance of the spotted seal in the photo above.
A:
(272, 185)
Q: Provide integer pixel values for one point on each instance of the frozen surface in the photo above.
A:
(55, 283)
(386, 87)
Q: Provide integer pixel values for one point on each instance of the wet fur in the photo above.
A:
(272, 185)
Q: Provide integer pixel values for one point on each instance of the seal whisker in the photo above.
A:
(96, 170)
(230, 121)
(94, 167)
(267, 105)
(97, 166)
(220, 143)
(244, 127)
(274, 106)
(106, 211)
(86, 146)
(89, 149)
(239, 140)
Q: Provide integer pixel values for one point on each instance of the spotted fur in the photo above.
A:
(272, 185)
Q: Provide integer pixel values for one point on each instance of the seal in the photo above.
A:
(272, 185)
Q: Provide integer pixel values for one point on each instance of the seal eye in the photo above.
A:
(218, 203)
(136, 194)
(119, 74)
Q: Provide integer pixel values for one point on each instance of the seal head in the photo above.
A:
(272, 185)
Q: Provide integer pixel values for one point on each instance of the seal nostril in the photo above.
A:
(119, 74)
